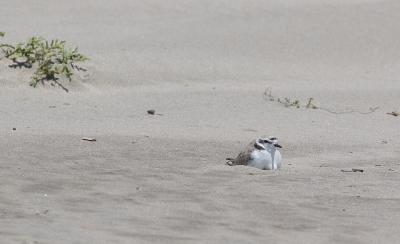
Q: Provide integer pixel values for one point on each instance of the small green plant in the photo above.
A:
(52, 59)
(287, 102)
(2, 34)
(310, 103)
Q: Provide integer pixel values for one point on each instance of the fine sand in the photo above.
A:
(203, 66)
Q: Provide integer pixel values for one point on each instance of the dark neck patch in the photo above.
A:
(258, 146)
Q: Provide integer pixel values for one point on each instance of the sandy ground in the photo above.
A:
(203, 66)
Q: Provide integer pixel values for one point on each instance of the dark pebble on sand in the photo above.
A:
(151, 111)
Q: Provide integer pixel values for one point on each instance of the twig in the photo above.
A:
(371, 110)
(394, 113)
(287, 102)
(352, 170)
(91, 139)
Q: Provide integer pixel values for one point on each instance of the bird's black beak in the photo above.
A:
(277, 145)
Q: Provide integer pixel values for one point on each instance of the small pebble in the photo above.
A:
(89, 139)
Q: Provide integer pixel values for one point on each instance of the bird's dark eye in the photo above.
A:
(273, 138)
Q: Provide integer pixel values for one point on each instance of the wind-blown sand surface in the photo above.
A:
(203, 65)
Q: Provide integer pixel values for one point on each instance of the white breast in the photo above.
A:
(260, 159)
(265, 159)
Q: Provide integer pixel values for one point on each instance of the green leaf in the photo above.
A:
(53, 59)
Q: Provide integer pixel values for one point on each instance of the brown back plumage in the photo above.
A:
(244, 156)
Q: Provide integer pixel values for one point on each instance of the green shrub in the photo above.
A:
(52, 59)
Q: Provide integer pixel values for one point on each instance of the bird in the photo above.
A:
(261, 153)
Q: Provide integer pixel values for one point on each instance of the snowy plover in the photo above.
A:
(261, 153)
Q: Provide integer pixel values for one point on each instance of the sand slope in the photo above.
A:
(204, 66)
